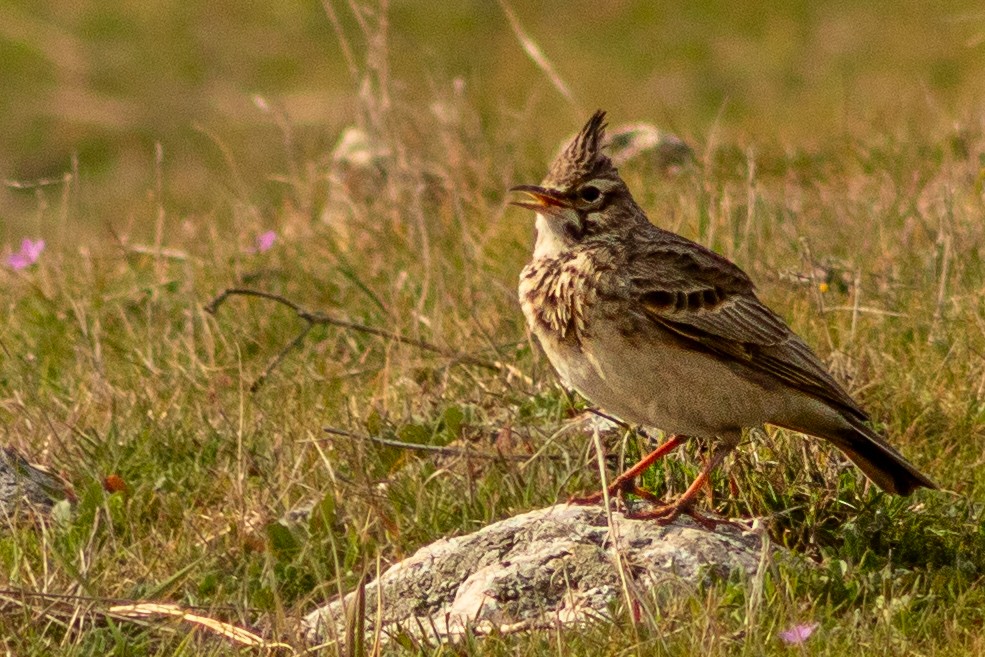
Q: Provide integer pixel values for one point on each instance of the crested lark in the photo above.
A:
(663, 332)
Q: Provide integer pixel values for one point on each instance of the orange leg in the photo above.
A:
(667, 513)
(625, 483)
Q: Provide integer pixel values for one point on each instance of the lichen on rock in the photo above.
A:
(555, 565)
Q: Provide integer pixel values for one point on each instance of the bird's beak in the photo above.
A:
(541, 198)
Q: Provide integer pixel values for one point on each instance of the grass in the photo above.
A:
(837, 146)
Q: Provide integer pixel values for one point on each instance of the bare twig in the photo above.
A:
(432, 449)
(808, 257)
(163, 252)
(750, 201)
(97, 603)
(614, 420)
(155, 612)
(161, 214)
(537, 56)
(856, 302)
(313, 318)
(350, 59)
(944, 246)
(276, 360)
(34, 184)
(863, 310)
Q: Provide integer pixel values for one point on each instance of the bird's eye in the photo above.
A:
(589, 194)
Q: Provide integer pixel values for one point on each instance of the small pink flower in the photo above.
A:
(265, 241)
(798, 633)
(27, 256)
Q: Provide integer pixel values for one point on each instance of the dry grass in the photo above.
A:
(865, 234)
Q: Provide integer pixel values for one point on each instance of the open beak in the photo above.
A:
(540, 198)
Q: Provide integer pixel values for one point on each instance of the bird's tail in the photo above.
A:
(880, 462)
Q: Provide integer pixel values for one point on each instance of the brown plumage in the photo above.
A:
(663, 332)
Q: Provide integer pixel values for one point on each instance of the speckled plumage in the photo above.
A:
(663, 332)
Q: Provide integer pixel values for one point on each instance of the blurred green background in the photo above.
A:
(100, 83)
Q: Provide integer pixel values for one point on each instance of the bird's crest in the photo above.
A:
(582, 158)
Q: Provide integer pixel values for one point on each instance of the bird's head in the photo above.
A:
(583, 195)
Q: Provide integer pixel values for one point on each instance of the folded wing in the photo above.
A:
(709, 301)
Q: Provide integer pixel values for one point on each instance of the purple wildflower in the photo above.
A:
(798, 633)
(265, 241)
(27, 256)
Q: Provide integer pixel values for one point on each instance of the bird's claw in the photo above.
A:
(616, 491)
(666, 514)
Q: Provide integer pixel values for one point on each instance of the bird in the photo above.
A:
(663, 332)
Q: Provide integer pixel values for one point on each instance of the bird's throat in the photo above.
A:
(549, 243)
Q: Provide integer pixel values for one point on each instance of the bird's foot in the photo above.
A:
(662, 513)
(617, 491)
(667, 513)
(625, 484)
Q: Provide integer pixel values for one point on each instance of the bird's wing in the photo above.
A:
(706, 299)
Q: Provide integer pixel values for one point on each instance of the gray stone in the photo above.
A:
(561, 564)
(24, 486)
(643, 140)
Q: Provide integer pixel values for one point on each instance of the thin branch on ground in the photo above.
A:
(313, 318)
(18, 595)
(440, 450)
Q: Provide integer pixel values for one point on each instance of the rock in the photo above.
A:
(633, 140)
(554, 565)
(357, 149)
(25, 486)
